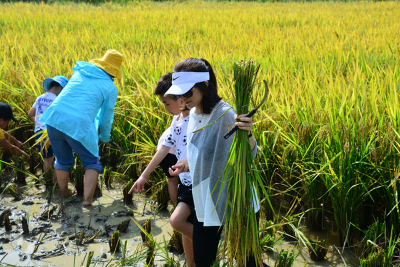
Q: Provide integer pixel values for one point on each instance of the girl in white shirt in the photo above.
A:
(182, 217)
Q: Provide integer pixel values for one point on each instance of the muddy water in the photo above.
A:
(336, 256)
(107, 212)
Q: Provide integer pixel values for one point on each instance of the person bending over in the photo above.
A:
(85, 106)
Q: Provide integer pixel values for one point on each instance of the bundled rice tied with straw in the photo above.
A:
(241, 230)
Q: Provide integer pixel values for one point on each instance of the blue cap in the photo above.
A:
(59, 79)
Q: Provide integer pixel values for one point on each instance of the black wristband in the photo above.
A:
(250, 135)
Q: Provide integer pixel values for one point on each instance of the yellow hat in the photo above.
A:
(110, 63)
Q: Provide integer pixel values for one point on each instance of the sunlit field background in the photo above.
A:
(328, 135)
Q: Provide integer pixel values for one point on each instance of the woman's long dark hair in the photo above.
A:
(209, 92)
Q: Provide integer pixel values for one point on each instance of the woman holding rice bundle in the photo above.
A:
(195, 83)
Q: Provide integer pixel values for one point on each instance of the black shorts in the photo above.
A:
(169, 161)
(185, 196)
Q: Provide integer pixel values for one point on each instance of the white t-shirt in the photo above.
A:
(177, 137)
(161, 142)
(41, 104)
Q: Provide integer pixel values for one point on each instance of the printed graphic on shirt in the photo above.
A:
(41, 104)
(170, 140)
(161, 142)
(177, 130)
(184, 141)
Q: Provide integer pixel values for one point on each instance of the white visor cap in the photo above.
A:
(182, 82)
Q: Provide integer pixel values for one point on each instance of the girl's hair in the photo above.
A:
(164, 84)
(209, 92)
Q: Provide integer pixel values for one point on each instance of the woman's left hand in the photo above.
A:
(245, 123)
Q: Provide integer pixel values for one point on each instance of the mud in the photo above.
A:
(56, 239)
(54, 234)
(336, 256)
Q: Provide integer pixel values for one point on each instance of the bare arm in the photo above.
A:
(13, 149)
(11, 138)
(158, 157)
(31, 114)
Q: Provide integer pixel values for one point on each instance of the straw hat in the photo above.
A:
(110, 62)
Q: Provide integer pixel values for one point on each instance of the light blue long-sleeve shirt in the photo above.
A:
(85, 105)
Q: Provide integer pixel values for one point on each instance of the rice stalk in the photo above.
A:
(107, 177)
(115, 243)
(241, 229)
(175, 242)
(25, 225)
(286, 258)
(7, 223)
(20, 165)
(128, 198)
(318, 250)
(79, 179)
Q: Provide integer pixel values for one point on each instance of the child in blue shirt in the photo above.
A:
(52, 88)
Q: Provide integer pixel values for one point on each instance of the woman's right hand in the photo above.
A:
(138, 186)
(179, 167)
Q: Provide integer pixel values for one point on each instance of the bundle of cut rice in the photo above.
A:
(241, 231)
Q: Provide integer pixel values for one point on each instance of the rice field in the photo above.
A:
(328, 135)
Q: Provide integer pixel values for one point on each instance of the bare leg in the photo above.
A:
(90, 183)
(188, 248)
(62, 178)
(48, 164)
(173, 188)
(178, 220)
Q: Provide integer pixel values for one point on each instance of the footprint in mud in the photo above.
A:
(4, 240)
(102, 218)
(28, 202)
(123, 213)
(43, 227)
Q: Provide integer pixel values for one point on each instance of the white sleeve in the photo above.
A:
(35, 104)
(168, 141)
(170, 137)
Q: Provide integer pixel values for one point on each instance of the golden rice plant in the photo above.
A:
(329, 133)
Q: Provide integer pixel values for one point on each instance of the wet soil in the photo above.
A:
(58, 246)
